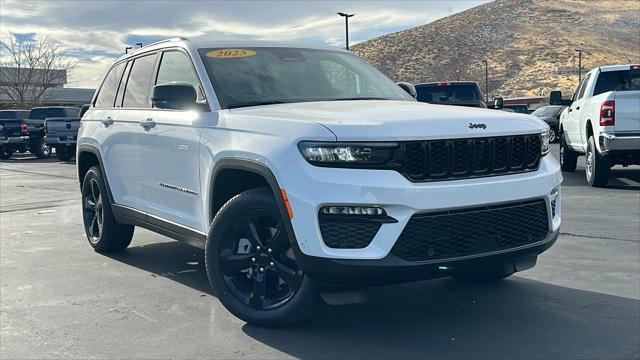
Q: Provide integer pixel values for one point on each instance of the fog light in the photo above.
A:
(353, 210)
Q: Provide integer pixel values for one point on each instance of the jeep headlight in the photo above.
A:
(346, 154)
(544, 148)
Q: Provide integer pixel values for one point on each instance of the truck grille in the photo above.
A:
(466, 158)
(472, 231)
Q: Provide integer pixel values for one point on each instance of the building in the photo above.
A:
(54, 80)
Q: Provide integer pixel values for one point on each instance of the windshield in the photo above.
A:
(447, 93)
(624, 80)
(272, 75)
(547, 111)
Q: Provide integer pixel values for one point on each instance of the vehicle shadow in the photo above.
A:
(621, 178)
(517, 318)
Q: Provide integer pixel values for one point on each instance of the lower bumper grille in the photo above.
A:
(472, 231)
(343, 234)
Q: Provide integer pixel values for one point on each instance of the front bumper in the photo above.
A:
(309, 188)
(15, 140)
(619, 142)
(391, 269)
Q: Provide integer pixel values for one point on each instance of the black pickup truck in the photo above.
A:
(14, 132)
(36, 121)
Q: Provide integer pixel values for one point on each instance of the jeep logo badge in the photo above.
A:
(477, 126)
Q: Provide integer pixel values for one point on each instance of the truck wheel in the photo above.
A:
(6, 152)
(40, 149)
(102, 230)
(484, 275)
(554, 135)
(568, 157)
(597, 166)
(251, 265)
(64, 153)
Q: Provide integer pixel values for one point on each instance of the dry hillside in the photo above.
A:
(523, 40)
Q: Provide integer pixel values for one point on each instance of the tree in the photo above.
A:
(30, 68)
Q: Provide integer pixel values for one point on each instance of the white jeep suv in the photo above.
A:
(305, 173)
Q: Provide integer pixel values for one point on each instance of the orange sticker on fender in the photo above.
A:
(230, 53)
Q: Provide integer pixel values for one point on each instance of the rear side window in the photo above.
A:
(624, 80)
(136, 95)
(43, 113)
(107, 93)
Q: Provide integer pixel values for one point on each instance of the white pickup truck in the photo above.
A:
(603, 122)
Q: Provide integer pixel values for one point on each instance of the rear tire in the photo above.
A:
(6, 152)
(104, 233)
(597, 169)
(568, 157)
(39, 148)
(65, 153)
(251, 265)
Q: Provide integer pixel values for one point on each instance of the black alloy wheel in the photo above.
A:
(93, 213)
(257, 261)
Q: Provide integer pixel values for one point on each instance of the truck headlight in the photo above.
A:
(544, 148)
(345, 154)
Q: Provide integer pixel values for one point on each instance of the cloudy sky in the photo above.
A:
(96, 32)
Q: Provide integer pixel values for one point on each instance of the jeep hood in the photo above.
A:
(385, 120)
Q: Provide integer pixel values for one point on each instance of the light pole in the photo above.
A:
(579, 65)
(139, 44)
(486, 80)
(126, 50)
(346, 26)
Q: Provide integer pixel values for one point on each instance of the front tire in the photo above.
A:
(104, 233)
(251, 264)
(554, 135)
(597, 168)
(40, 149)
(6, 152)
(568, 157)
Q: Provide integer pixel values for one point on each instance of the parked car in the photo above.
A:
(460, 93)
(37, 117)
(298, 183)
(603, 122)
(517, 108)
(14, 135)
(551, 115)
(61, 134)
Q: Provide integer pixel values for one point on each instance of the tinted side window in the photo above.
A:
(584, 86)
(176, 66)
(107, 93)
(120, 94)
(136, 95)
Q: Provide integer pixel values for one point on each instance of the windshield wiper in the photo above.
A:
(358, 98)
(256, 103)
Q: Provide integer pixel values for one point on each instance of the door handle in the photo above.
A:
(108, 121)
(147, 123)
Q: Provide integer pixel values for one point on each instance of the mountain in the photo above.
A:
(524, 41)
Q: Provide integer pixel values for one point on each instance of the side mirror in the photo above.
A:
(409, 88)
(498, 103)
(555, 98)
(174, 95)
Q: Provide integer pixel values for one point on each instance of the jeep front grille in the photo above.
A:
(467, 158)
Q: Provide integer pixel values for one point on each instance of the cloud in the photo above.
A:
(96, 32)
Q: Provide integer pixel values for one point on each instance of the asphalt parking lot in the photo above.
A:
(59, 299)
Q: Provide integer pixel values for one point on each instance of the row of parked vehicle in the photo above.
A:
(40, 130)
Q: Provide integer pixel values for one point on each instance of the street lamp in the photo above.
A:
(139, 44)
(486, 79)
(346, 26)
(579, 65)
(126, 50)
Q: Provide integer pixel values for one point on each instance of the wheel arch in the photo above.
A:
(87, 157)
(219, 178)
